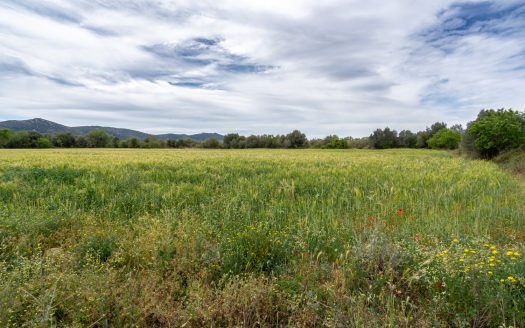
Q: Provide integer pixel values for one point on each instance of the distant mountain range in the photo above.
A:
(47, 127)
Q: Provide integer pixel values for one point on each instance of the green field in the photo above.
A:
(301, 238)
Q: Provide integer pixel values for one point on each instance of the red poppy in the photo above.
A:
(440, 286)
(399, 212)
(370, 220)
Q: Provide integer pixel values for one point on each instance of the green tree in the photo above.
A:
(407, 139)
(234, 141)
(211, 143)
(497, 130)
(43, 143)
(5, 135)
(334, 142)
(383, 139)
(133, 143)
(151, 142)
(24, 139)
(444, 139)
(63, 140)
(296, 139)
(253, 142)
(98, 139)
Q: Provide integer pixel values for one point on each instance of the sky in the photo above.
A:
(342, 67)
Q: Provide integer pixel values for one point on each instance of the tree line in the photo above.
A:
(492, 132)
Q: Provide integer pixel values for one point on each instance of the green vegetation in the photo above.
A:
(307, 238)
(445, 139)
(496, 131)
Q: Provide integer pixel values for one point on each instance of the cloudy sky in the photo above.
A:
(260, 66)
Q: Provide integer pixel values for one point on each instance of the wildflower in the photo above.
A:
(486, 245)
(490, 273)
(516, 254)
(461, 260)
(510, 253)
(494, 252)
(455, 240)
(466, 250)
(416, 237)
(491, 264)
(445, 251)
(399, 212)
(440, 286)
(511, 279)
(502, 280)
(467, 269)
(492, 247)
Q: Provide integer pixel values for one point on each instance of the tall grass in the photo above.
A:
(252, 238)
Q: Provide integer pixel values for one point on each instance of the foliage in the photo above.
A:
(268, 238)
(234, 141)
(407, 139)
(43, 143)
(295, 139)
(444, 139)
(63, 140)
(495, 131)
(5, 135)
(383, 139)
(211, 143)
(98, 139)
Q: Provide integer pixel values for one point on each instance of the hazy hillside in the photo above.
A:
(47, 127)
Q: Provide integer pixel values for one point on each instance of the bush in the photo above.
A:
(497, 131)
(444, 139)
(43, 143)
(211, 143)
(383, 139)
(98, 139)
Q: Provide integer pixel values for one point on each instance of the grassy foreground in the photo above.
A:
(306, 238)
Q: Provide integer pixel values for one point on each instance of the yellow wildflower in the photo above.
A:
(509, 253)
(516, 254)
(490, 273)
(511, 279)
(492, 247)
(494, 252)
(455, 240)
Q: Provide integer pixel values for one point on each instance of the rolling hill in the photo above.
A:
(48, 127)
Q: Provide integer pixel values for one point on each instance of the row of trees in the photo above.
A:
(492, 132)
(94, 139)
(436, 136)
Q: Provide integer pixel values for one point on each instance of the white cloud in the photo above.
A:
(344, 67)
